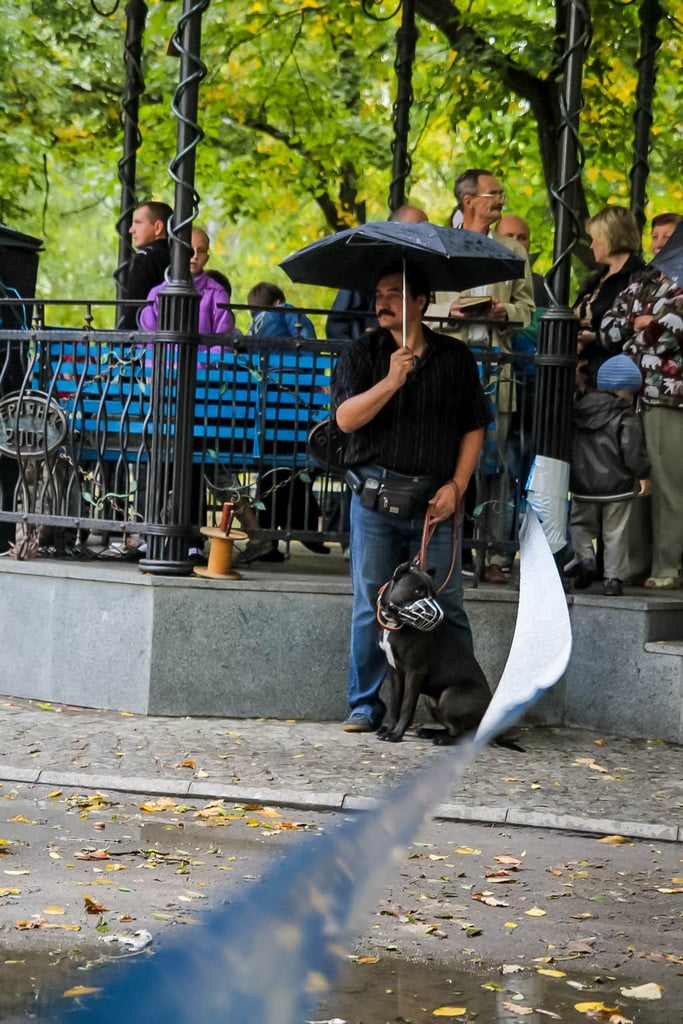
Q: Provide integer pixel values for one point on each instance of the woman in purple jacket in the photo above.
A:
(212, 320)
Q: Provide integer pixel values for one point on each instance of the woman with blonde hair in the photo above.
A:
(615, 244)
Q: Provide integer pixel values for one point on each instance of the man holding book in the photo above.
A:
(481, 199)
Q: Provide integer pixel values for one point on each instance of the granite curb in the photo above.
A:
(340, 801)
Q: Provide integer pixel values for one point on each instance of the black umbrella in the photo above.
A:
(669, 260)
(452, 259)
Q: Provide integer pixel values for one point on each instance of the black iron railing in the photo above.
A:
(79, 415)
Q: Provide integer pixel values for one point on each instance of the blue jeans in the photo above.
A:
(379, 543)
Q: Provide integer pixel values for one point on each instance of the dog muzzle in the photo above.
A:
(424, 614)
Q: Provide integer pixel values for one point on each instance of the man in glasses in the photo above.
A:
(481, 198)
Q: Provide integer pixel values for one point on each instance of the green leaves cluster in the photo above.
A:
(296, 109)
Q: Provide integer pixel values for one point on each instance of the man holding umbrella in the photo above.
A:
(414, 411)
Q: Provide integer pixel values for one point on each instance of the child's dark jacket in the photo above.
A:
(608, 450)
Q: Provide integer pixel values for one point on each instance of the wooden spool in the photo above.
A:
(220, 553)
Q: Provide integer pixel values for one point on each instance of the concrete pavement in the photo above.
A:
(567, 779)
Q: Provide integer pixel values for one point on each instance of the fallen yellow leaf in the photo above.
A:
(509, 924)
(24, 821)
(367, 960)
(80, 990)
(10, 892)
(449, 1011)
(614, 840)
(91, 907)
(594, 1008)
(550, 972)
(164, 803)
(535, 912)
(590, 763)
(54, 910)
(467, 849)
(511, 862)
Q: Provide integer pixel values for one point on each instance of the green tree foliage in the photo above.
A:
(296, 109)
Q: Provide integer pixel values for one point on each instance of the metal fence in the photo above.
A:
(79, 415)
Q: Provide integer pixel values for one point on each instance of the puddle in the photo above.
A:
(393, 991)
(398, 991)
(32, 983)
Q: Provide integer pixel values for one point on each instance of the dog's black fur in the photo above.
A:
(431, 663)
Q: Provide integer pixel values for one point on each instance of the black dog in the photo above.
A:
(431, 663)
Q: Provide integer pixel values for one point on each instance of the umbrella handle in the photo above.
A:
(403, 300)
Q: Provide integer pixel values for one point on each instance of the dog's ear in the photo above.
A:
(401, 570)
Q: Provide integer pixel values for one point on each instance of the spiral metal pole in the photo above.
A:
(558, 332)
(136, 17)
(175, 349)
(406, 40)
(650, 15)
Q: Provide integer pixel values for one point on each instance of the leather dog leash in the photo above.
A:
(428, 532)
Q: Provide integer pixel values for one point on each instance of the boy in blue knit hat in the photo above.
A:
(609, 468)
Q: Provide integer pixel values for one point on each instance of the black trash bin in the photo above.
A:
(18, 272)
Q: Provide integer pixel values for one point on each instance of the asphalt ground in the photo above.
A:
(571, 780)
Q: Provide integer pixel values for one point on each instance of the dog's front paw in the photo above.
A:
(382, 732)
(393, 736)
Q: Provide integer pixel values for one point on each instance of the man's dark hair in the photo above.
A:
(417, 279)
(265, 294)
(466, 184)
(157, 211)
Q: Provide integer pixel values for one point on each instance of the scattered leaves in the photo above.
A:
(80, 990)
(519, 1011)
(449, 1011)
(615, 840)
(535, 912)
(91, 855)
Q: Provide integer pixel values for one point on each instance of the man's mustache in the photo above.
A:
(385, 312)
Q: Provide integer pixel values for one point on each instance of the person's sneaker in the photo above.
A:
(358, 723)
(613, 588)
(586, 574)
(660, 583)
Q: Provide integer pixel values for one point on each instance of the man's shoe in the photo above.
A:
(494, 574)
(358, 723)
(587, 573)
(613, 588)
(316, 547)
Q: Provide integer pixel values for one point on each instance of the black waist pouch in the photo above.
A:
(405, 498)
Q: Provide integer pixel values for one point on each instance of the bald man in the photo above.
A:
(512, 226)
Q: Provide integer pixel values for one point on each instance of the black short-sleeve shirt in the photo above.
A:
(419, 430)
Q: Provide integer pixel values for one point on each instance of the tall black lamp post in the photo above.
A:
(174, 371)
(558, 333)
(406, 39)
(136, 16)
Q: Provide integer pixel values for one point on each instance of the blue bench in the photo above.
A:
(252, 407)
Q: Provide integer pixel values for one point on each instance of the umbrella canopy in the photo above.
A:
(452, 259)
(669, 260)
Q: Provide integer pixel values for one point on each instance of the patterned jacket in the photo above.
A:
(657, 348)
